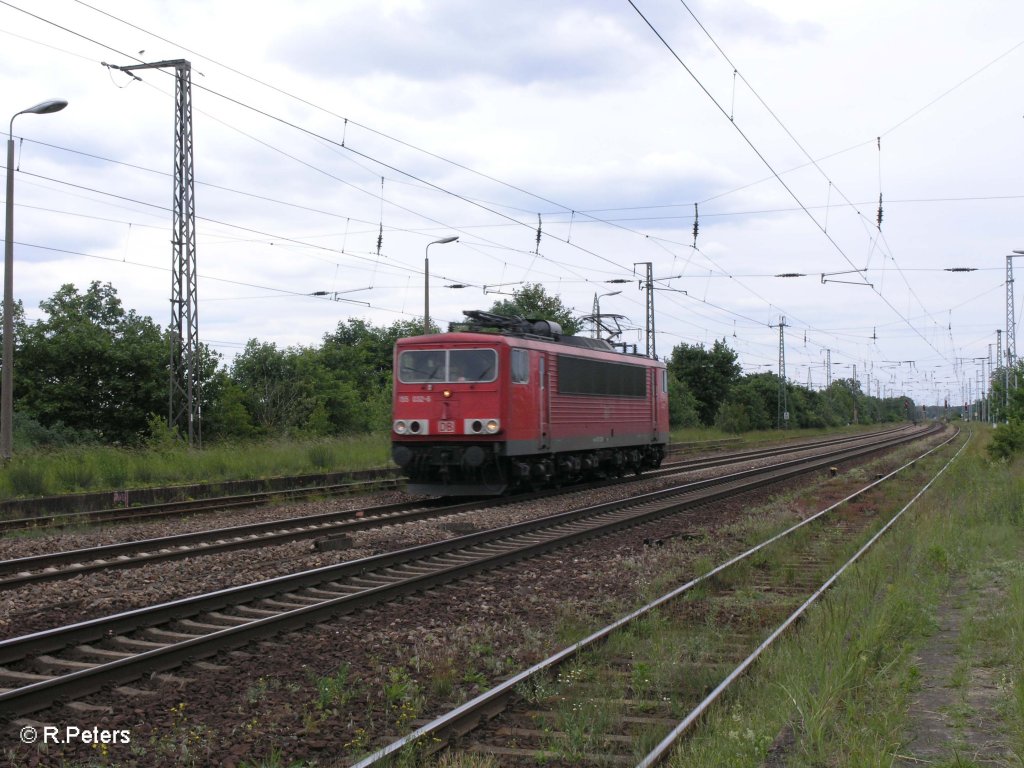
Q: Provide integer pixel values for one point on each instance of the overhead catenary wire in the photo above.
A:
(764, 160)
(570, 213)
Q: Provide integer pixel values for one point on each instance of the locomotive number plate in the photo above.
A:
(447, 427)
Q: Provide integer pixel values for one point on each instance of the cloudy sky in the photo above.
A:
(335, 140)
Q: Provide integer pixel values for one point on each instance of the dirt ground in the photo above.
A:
(955, 716)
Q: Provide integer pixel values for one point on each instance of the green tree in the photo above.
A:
(336, 402)
(358, 357)
(19, 323)
(533, 302)
(843, 395)
(225, 416)
(92, 366)
(275, 396)
(708, 374)
(362, 353)
(751, 403)
(682, 405)
(806, 403)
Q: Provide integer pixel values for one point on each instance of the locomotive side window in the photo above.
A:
(580, 376)
(520, 366)
(438, 365)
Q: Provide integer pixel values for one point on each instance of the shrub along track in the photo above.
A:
(415, 623)
(59, 565)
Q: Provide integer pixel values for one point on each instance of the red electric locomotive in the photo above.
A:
(510, 403)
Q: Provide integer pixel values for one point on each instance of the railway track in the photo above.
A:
(68, 662)
(192, 506)
(593, 703)
(196, 506)
(66, 564)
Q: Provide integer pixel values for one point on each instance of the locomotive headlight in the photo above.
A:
(411, 427)
(481, 426)
(447, 393)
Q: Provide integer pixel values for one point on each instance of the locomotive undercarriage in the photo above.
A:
(475, 469)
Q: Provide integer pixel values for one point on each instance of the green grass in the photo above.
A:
(100, 468)
(840, 688)
(104, 468)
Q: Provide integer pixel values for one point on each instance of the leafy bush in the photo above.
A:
(1007, 440)
(321, 455)
(27, 478)
(74, 471)
(160, 437)
(733, 418)
(29, 433)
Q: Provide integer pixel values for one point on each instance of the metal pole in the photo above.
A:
(7, 383)
(426, 280)
(7, 379)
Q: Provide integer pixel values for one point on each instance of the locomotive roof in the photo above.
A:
(478, 321)
(489, 324)
(571, 341)
(577, 342)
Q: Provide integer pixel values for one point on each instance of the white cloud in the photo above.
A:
(584, 114)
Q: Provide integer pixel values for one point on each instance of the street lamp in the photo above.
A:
(7, 382)
(426, 280)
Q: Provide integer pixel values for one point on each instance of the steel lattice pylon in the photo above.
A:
(647, 284)
(184, 410)
(649, 312)
(783, 404)
(1011, 333)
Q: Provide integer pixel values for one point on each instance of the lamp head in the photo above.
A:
(42, 108)
(46, 107)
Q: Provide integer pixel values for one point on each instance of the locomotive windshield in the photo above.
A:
(420, 366)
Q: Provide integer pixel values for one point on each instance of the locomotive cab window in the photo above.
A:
(477, 365)
(520, 366)
(420, 366)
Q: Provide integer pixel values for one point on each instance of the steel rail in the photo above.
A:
(147, 511)
(166, 508)
(31, 569)
(469, 715)
(46, 567)
(282, 584)
(452, 565)
(660, 752)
